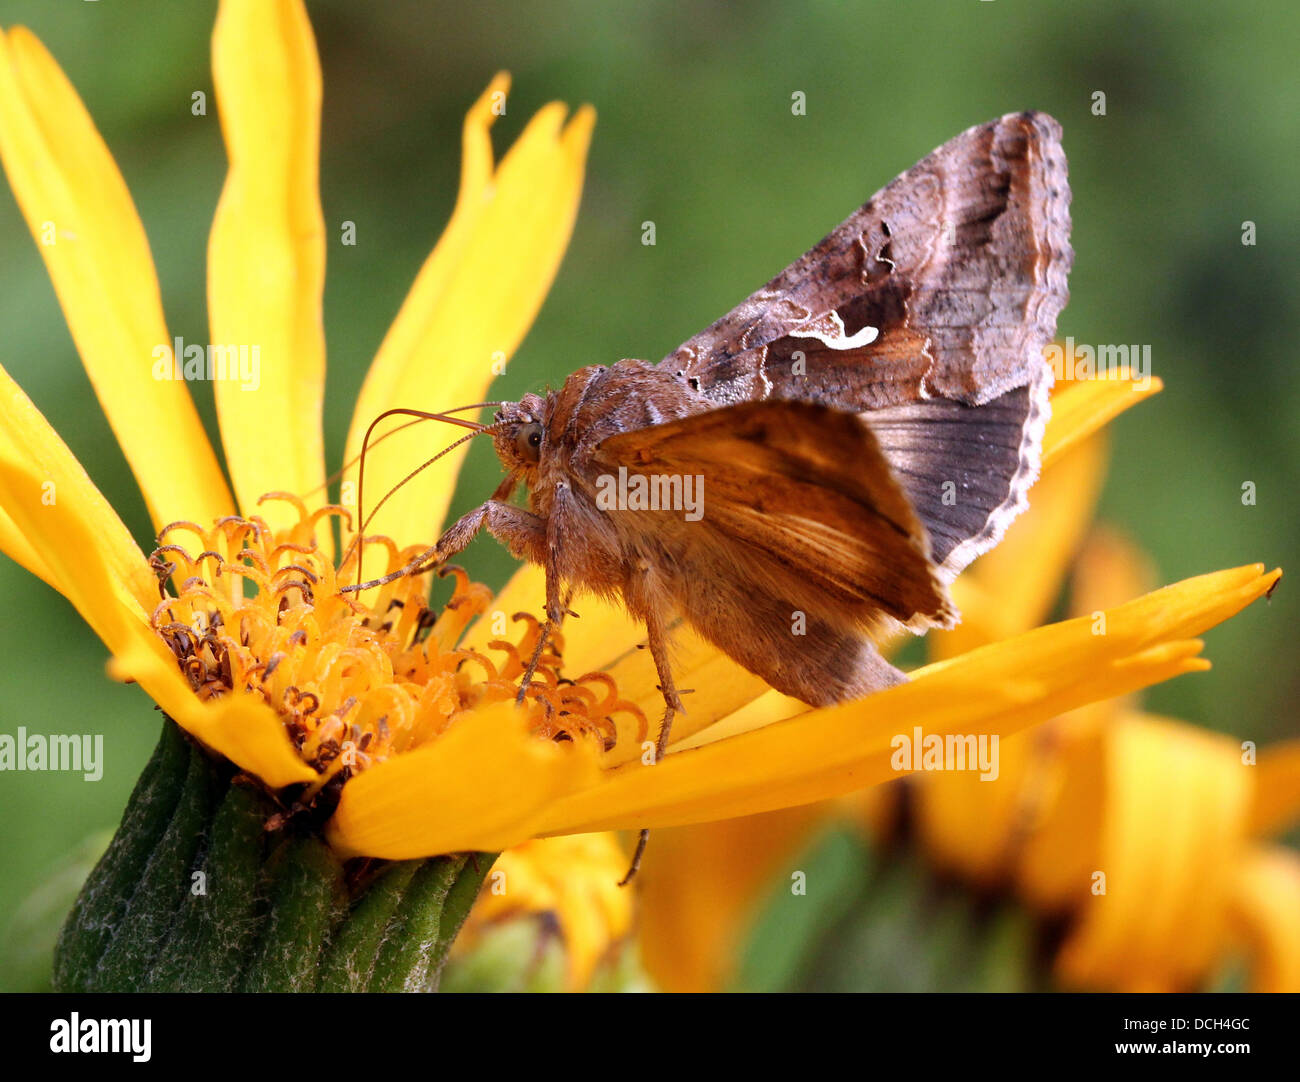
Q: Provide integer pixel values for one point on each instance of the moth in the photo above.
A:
(854, 433)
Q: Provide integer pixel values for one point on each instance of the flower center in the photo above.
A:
(356, 677)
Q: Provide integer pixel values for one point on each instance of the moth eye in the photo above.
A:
(528, 441)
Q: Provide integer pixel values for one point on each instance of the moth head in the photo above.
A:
(519, 433)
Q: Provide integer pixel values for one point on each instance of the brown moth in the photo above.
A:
(853, 434)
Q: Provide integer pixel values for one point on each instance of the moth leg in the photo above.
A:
(537, 650)
(657, 636)
(522, 532)
(642, 840)
(555, 607)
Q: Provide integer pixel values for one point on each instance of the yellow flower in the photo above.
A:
(571, 882)
(1146, 832)
(296, 683)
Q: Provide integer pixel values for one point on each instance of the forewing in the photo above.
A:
(948, 282)
(798, 504)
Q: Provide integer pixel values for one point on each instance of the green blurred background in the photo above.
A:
(696, 133)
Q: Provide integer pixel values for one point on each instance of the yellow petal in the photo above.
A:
(972, 824)
(53, 475)
(574, 881)
(1173, 821)
(471, 304)
(1277, 788)
(1081, 407)
(103, 600)
(1266, 906)
(266, 255)
(246, 731)
(239, 727)
(1000, 689)
(1109, 570)
(14, 545)
(89, 234)
(483, 785)
(769, 707)
(699, 888)
(1060, 848)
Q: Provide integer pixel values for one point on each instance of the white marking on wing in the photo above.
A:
(864, 337)
(829, 331)
(762, 373)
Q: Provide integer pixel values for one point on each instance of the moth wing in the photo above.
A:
(946, 283)
(966, 470)
(795, 651)
(799, 505)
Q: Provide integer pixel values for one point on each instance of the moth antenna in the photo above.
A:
(420, 415)
(337, 475)
(413, 566)
(477, 406)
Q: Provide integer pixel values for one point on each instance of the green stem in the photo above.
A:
(195, 894)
